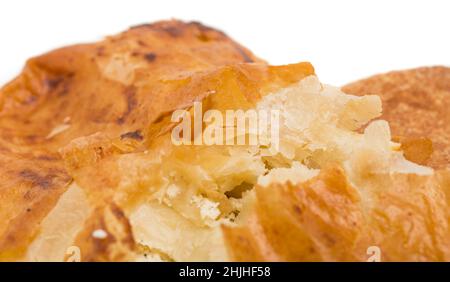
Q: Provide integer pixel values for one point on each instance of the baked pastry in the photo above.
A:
(415, 102)
(84, 89)
(88, 161)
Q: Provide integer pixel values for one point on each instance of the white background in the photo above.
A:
(345, 40)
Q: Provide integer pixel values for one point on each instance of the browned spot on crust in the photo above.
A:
(35, 179)
(48, 157)
(100, 51)
(244, 54)
(150, 57)
(173, 31)
(141, 43)
(130, 95)
(136, 135)
(297, 209)
(52, 83)
(205, 28)
(58, 84)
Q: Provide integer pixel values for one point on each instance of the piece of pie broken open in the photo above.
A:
(87, 161)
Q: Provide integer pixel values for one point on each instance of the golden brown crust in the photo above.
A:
(89, 103)
(116, 86)
(86, 113)
(415, 102)
(326, 218)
